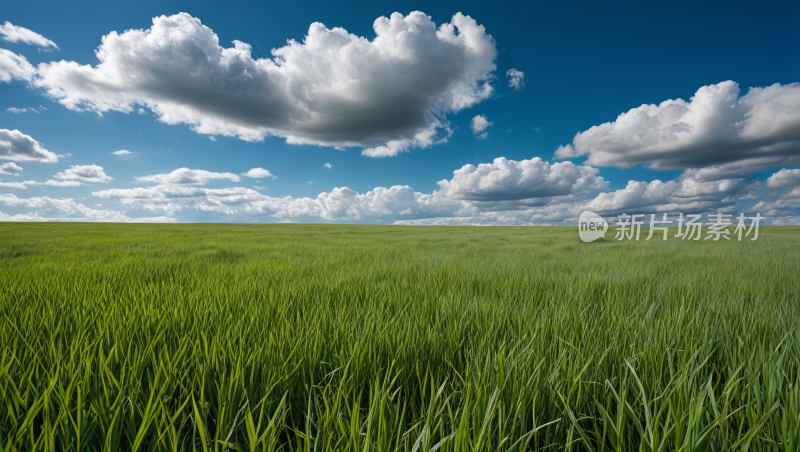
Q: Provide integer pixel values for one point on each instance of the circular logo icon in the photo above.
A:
(591, 226)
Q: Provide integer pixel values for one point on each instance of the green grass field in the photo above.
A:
(379, 338)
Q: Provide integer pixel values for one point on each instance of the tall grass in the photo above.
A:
(358, 338)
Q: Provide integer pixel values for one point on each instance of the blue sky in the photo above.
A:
(413, 94)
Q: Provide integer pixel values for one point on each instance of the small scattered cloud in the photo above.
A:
(786, 221)
(19, 185)
(212, 138)
(479, 125)
(186, 176)
(61, 183)
(84, 173)
(121, 152)
(328, 166)
(14, 67)
(18, 147)
(10, 168)
(784, 178)
(22, 110)
(536, 129)
(786, 204)
(516, 79)
(50, 183)
(259, 173)
(13, 33)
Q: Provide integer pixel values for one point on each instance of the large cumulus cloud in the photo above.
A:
(504, 180)
(715, 129)
(18, 147)
(387, 94)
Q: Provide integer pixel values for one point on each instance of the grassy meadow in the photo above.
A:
(380, 338)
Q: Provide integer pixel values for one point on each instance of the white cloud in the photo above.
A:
(10, 168)
(785, 200)
(52, 183)
(66, 209)
(784, 178)
(59, 183)
(516, 79)
(479, 124)
(424, 138)
(164, 198)
(258, 173)
(13, 33)
(562, 213)
(212, 138)
(328, 166)
(13, 66)
(186, 176)
(486, 191)
(18, 147)
(386, 95)
(21, 110)
(717, 172)
(685, 195)
(121, 152)
(508, 192)
(20, 185)
(340, 204)
(786, 221)
(84, 173)
(508, 180)
(783, 207)
(716, 128)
